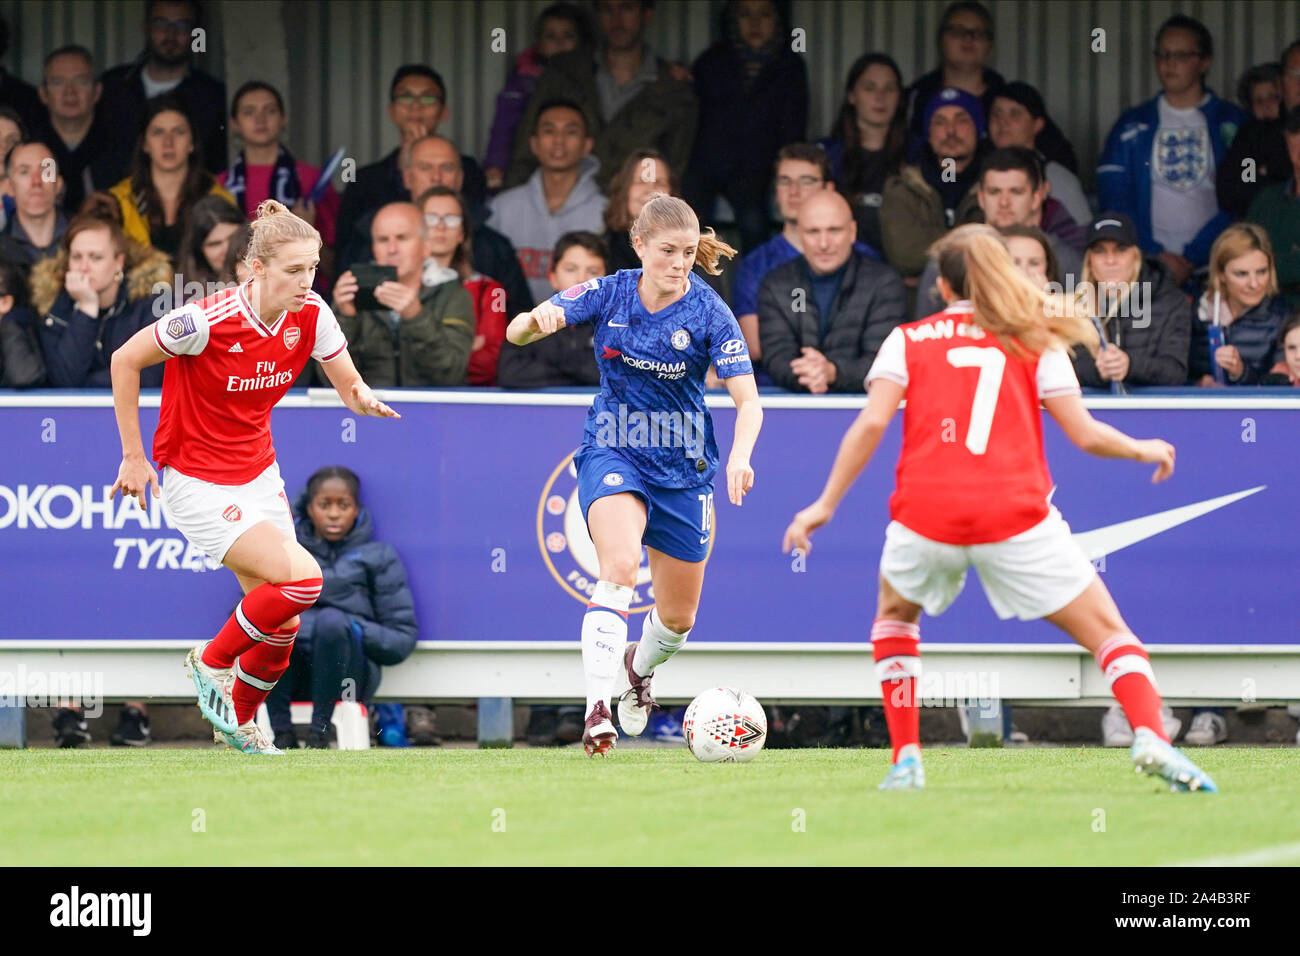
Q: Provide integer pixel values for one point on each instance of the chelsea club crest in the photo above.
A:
(681, 339)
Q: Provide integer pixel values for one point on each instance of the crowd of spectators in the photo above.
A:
(120, 196)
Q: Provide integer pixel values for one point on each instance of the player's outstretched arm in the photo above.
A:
(1098, 438)
(749, 421)
(135, 474)
(856, 448)
(536, 324)
(354, 392)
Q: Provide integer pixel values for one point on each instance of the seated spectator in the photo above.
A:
(1243, 288)
(166, 179)
(1019, 118)
(644, 172)
(202, 261)
(827, 338)
(568, 359)
(1277, 210)
(867, 144)
(1032, 253)
(37, 226)
(19, 96)
(1262, 143)
(435, 161)
(11, 134)
(450, 241)
(363, 619)
(1259, 92)
(21, 362)
(1287, 371)
(1140, 309)
(165, 67)
(264, 169)
(237, 252)
(560, 196)
(420, 335)
(70, 92)
(801, 171)
(965, 43)
(92, 297)
(559, 28)
(630, 96)
(920, 203)
(751, 63)
(1158, 165)
(417, 106)
(1012, 191)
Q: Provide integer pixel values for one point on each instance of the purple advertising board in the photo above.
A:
(476, 494)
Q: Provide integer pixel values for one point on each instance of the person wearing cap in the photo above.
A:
(965, 42)
(1277, 209)
(1158, 165)
(1018, 117)
(1012, 191)
(920, 203)
(1139, 306)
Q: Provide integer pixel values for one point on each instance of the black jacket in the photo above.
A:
(22, 364)
(1253, 333)
(121, 108)
(1157, 343)
(565, 358)
(869, 305)
(1264, 142)
(365, 579)
(72, 165)
(23, 99)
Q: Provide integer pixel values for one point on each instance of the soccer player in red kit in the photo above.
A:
(230, 357)
(984, 364)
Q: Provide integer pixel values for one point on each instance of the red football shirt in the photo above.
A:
(226, 373)
(972, 468)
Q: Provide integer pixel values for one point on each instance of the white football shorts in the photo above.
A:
(212, 516)
(1029, 576)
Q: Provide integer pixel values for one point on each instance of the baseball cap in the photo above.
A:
(1114, 226)
(951, 96)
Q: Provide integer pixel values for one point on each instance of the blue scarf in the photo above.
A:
(285, 187)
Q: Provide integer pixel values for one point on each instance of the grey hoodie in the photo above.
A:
(521, 214)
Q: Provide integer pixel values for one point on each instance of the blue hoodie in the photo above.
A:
(1124, 170)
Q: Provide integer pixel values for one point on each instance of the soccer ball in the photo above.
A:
(725, 725)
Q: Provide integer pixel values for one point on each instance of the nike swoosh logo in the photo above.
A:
(616, 325)
(704, 540)
(1113, 537)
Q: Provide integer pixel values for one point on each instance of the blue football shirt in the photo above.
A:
(650, 408)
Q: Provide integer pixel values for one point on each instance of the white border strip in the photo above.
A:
(328, 398)
(1268, 856)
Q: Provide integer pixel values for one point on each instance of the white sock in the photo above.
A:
(604, 636)
(658, 643)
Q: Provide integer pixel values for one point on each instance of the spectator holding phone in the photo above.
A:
(450, 242)
(363, 619)
(400, 330)
(1243, 290)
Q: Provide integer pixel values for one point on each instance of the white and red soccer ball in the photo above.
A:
(725, 725)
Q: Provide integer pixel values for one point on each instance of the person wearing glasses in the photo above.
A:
(965, 42)
(1158, 165)
(69, 91)
(418, 330)
(163, 67)
(1262, 140)
(417, 106)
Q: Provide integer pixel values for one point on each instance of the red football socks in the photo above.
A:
(257, 670)
(259, 615)
(896, 648)
(1127, 667)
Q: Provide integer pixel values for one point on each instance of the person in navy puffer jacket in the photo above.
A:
(364, 619)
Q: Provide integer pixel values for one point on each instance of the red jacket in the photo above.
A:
(489, 298)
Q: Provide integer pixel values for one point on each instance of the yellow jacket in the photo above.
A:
(135, 225)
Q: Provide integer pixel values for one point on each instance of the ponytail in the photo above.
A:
(710, 249)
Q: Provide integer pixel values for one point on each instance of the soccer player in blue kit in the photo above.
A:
(648, 455)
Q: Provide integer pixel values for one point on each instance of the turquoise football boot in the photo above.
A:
(1153, 756)
(213, 687)
(907, 773)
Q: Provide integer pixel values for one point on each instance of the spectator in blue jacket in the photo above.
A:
(1243, 287)
(751, 63)
(365, 616)
(1158, 165)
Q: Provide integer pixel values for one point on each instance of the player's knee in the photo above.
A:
(676, 622)
(620, 570)
(292, 624)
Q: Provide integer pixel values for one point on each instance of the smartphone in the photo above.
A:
(369, 277)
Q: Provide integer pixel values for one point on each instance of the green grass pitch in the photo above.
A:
(648, 806)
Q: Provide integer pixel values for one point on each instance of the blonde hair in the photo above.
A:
(974, 261)
(1239, 239)
(274, 226)
(663, 213)
(1088, 278)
